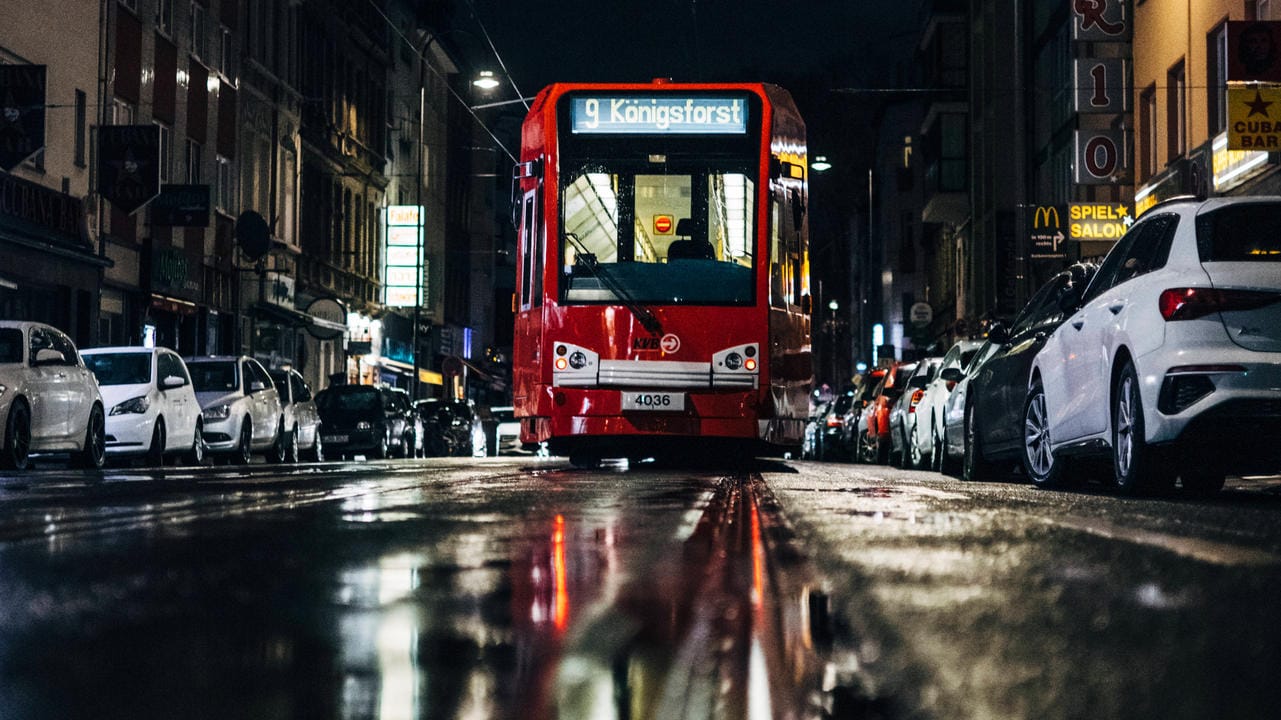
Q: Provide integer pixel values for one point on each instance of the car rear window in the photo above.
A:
(356, 397)
(1249, 232)
(10, 346)
(214, 376)
(120, 368)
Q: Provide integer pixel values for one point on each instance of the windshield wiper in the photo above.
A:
(588, 261)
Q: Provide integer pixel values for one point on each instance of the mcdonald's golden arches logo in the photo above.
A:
(1041, 218)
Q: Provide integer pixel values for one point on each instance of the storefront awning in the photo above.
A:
(280, 314)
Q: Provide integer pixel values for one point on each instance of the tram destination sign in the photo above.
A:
(666, 114)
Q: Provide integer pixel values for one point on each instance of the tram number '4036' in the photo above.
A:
(653, 401)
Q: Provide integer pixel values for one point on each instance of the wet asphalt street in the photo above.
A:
(522, 588)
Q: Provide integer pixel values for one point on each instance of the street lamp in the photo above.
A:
(486, 80)
(820, 164)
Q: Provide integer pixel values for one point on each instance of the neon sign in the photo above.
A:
(659, 114)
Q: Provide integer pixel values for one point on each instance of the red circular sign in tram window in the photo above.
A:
(662, 224)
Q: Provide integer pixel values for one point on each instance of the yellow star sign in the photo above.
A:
(1254, 118)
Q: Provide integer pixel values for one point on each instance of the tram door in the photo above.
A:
(528, 301)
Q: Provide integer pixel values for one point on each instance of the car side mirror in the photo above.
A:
(952, 374)
(47, 356)
(998, 332)
(171, 382)
(1070, 299)
(256, 386)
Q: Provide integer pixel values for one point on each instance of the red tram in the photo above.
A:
(662, 291)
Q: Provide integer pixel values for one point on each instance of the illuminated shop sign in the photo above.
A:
(659, 114)
(403, 261)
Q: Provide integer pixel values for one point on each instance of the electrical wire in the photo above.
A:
(454, 93)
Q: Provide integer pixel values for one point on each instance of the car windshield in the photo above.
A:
(120, 368)
(10, 346)
(354, 397)
(214, 376)
(1249, 232)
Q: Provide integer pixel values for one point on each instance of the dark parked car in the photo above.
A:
(365, 420)
(993, 419)
(451, 428)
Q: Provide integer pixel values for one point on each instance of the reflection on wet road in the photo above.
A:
(406, 591)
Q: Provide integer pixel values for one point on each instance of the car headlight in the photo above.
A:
(217, 412)
(136, 405)
(363, 425)
(2, 389)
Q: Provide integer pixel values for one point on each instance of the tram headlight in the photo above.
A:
(733, 361)
(577, 360)
(750, 365)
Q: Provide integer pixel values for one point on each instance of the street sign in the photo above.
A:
(129, 165)
(1098, 221)
(22, 101)
(1254, 118)
(181, 206)
(921, 314)
(1045, 237)
(1254, 51)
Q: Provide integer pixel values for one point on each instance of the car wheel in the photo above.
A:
(381, 451)
(16, 451)
(881, 450)
(915, 459)
(196, 456)
(279, 451)
(156, 452)
(973, 465)
(291, 447)
(1136, 465)
(1039, 462)
(244, 451)
(94, 453)
(317, 453)
(938, 452)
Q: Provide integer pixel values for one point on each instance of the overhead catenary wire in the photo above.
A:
(454, 94)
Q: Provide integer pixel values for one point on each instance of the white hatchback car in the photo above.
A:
(302, 420)
(151, 405)
(240, 407)
(927, 432)
(49, 402)
(1170, 361)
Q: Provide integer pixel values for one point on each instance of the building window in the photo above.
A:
(1216, 78)
(193, 162)
(122, 112)
(81, 126)
(199, 39)
(227, 56)
(1176, 110)
(223, 186)
(1147, 132)
(166, 152)
(164, 16)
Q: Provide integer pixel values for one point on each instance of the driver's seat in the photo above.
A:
(687, 248)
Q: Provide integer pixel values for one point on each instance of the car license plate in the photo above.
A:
(653, 401)
(333, 438)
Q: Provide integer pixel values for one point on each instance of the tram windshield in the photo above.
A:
(658, 234)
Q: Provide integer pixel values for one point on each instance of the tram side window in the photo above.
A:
(777, 255)
(538, 243)
(527, 257)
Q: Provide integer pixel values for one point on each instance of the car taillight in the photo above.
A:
(834, 422)
(916, 398)
(1192, 303)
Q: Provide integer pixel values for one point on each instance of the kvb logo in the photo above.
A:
(670, 343)
(645, 343)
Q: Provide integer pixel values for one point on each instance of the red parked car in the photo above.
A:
(874, 430)
(852, 422)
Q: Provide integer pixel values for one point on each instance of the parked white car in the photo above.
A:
(1169, 363)
(905, 415)
(151, 405)
(926, 439)
(302, 421)
(506, 430)
(49, 402)
(240, 407)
